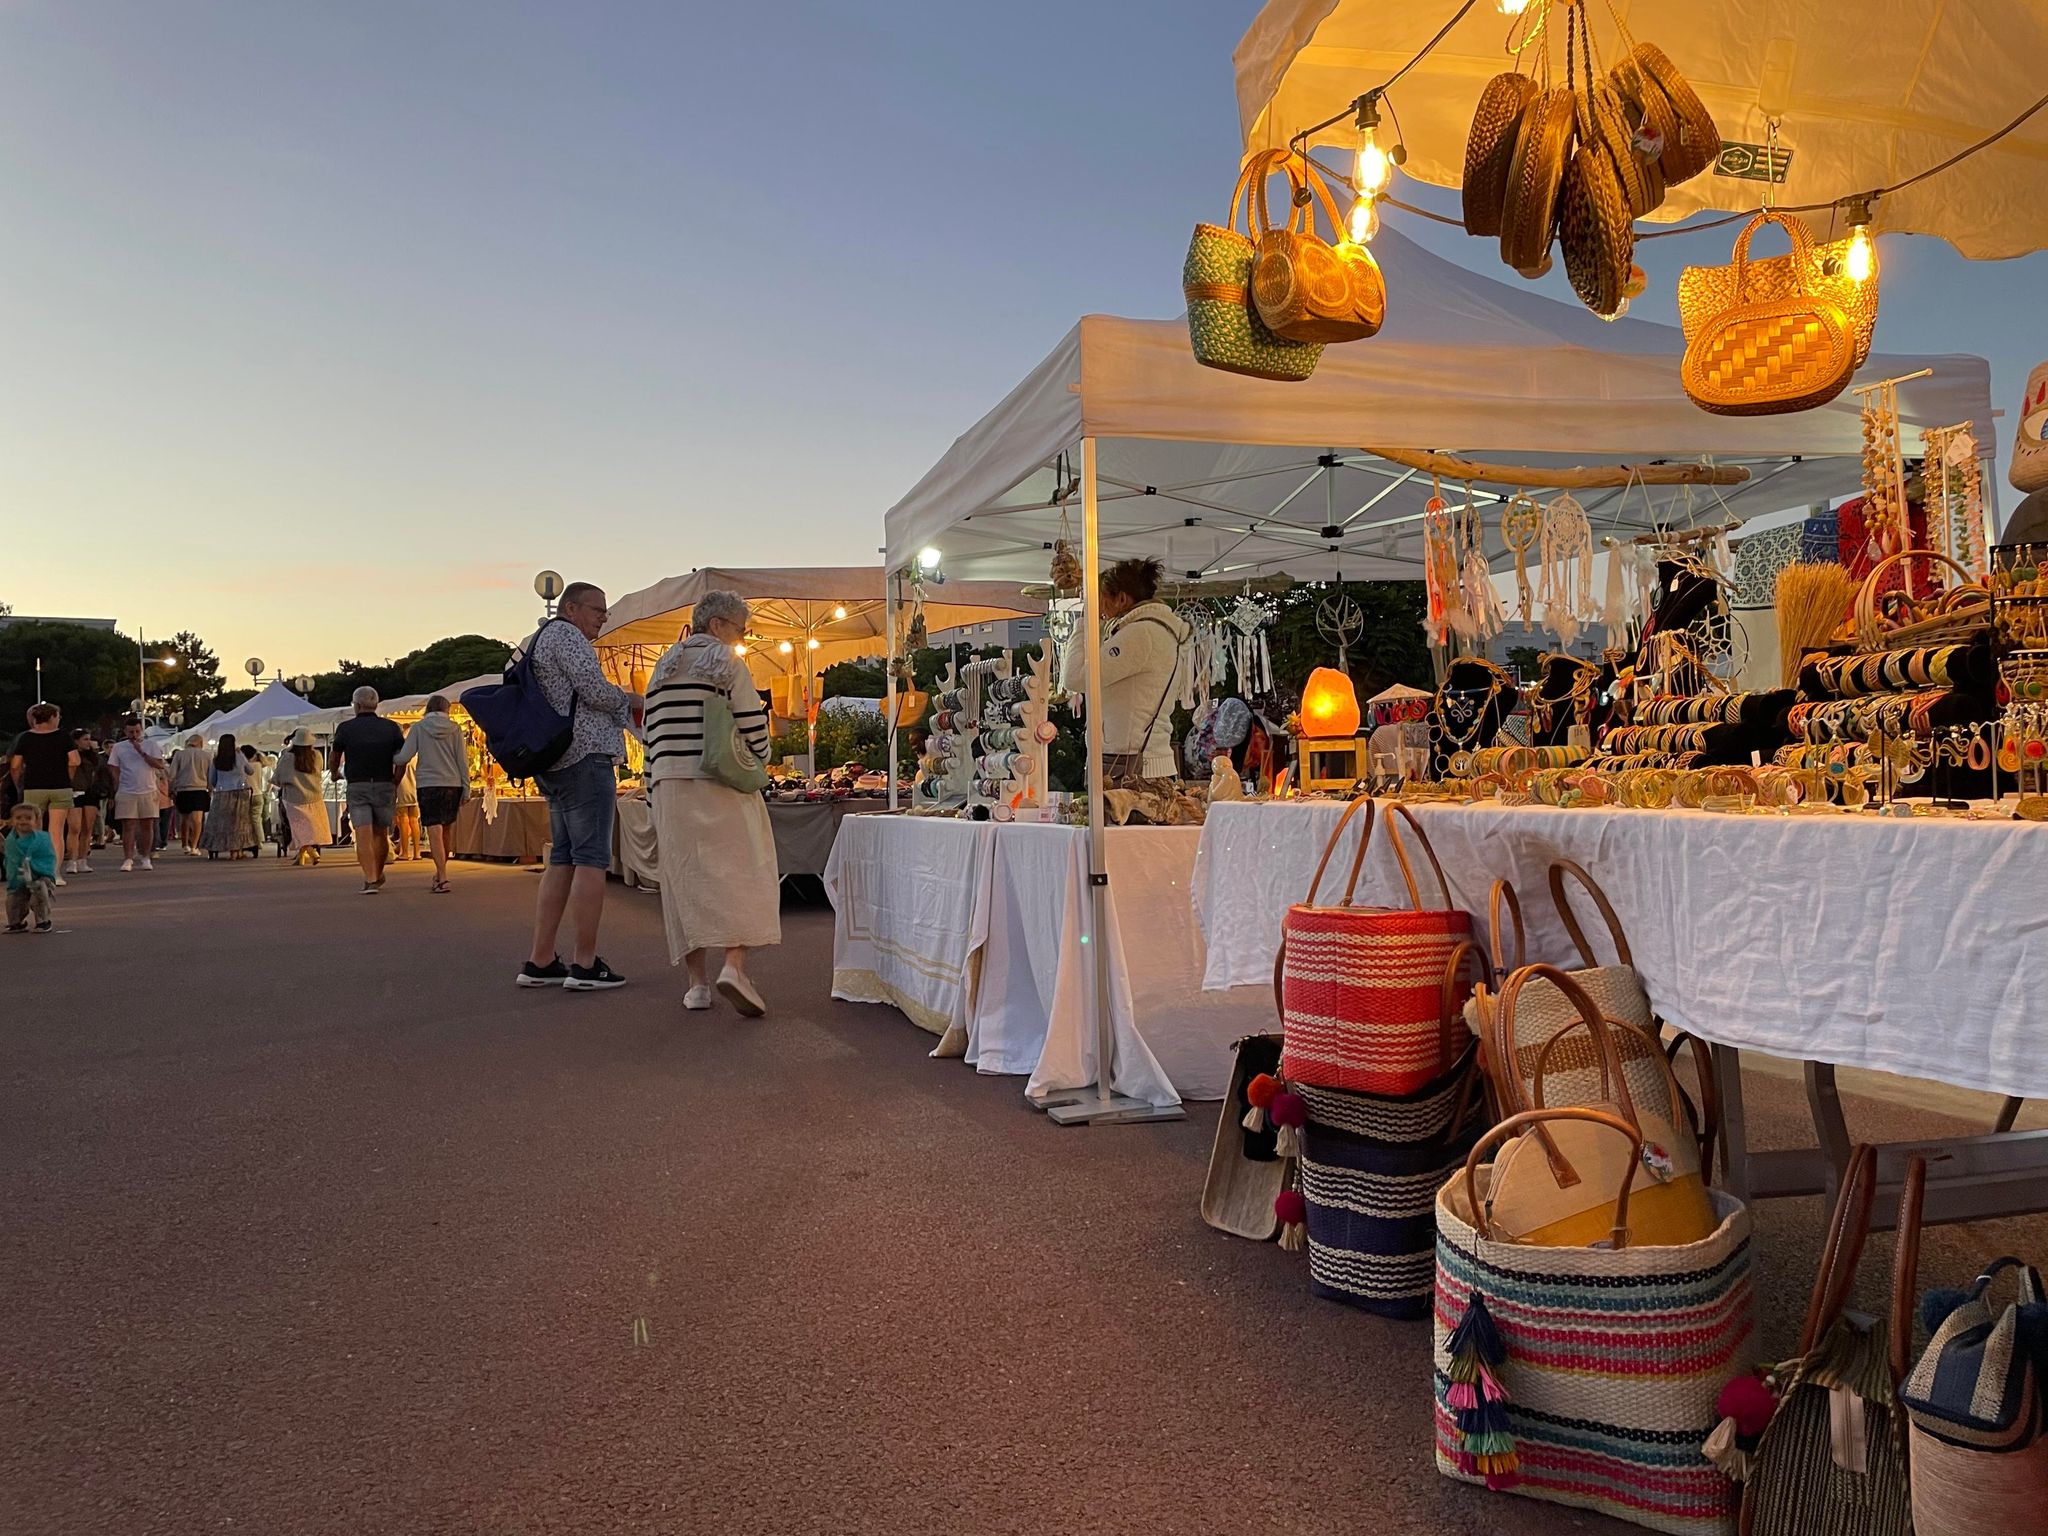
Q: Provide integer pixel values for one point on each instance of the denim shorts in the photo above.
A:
(370, 804)
(583, 799)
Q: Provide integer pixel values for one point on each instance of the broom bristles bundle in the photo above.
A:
(1812, 599)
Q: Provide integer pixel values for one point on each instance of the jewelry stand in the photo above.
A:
(1012, 730)
(945, 770)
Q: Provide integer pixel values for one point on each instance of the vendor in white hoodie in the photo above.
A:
(1144, 649)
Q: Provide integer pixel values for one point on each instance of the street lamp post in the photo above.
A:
(142, 664)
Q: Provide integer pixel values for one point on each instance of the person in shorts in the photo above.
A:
(438, 756)
(582, 791)
(135, 798)
(365, 752)
(191, 765)
(92, 786)
(31, 867)
(41, 762)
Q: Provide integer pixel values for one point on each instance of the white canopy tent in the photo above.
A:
(1224, 477)
(1867, 92)
(247, 719)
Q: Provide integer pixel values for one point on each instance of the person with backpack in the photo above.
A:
(707, 739)
(579, 778)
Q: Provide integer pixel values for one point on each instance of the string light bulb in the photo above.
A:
(1364, 221)
(1372, 171)
(785, 647)
(839, 612)
(1861, 262)
(1512, 7)
(928, 558)
(739, 650)
(813, 644)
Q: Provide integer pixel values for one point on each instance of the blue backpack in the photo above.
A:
(525, 733)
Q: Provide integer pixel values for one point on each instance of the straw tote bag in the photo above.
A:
(1216, 280)
(1554, 1187)
(1751, 356)
(1832, 1461)
(1304, 289)
(1588, 1376)
(1364, 1001)
(1706, 291)
(1975, 1410)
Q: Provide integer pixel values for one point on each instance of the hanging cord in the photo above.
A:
(1301, 139)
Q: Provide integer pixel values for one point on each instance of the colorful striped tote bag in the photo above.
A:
(1363, 1005)
(1371, 1165)
(1588, 1376)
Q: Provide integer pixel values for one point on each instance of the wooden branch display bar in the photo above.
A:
(1450, 466)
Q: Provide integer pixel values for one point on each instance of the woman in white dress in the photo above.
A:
(719, 885)
(297, 780)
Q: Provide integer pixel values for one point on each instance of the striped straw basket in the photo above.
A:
(1370, 1169)
(1588, 1376)
(1371, 998)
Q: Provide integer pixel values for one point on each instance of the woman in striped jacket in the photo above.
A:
(719, 886)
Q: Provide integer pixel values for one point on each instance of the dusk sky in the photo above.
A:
(325, 326)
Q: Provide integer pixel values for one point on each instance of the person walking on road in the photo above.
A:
(30, 862)
(41, 763)
(719, 886)
(582, 793)
(191, 765)
(297, 777)
(365, 746)
(438, 758)
(135, 795)
(227, 812)
(91, 783)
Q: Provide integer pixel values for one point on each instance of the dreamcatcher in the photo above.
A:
(1247, 621)
(1439, 567)
(1521, 525)
(1567, 577)
(1479, 617)
(1340, 621)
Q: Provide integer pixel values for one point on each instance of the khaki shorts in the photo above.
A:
(140, 807)
(48, 799)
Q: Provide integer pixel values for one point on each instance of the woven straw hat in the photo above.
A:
(1595, 231)
(1537, 171)
(1490, 148)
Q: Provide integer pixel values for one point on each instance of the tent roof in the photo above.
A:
(1923, 80)
(1218, 474)
(275, 702)
(796, 603)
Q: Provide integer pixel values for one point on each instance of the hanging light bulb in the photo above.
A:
(1364, 220)
(1512, 7)
(839, 612)
(739, 650)
(813, 644)
(785, 647)
(928, 558)
(1375, 167)
(1862, 259)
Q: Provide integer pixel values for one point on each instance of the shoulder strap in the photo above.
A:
(1906, 1268)
(1847, 1229)
(1558, 870)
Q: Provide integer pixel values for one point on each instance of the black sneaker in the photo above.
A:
(597, 977)
(50, 926)
(553, 974)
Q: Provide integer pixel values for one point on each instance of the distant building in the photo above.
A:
(38, 618)
(1010, 634)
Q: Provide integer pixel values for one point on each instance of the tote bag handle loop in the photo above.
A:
(1530, 1119)
(1558, 871)
(1503, 896)
(1847, 1229)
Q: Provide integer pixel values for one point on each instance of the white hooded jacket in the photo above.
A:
(1143, 656)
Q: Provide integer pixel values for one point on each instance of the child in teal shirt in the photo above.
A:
(31, 863)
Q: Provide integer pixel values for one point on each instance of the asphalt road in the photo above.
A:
(311, 1222)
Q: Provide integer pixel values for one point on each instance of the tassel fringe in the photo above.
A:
(1287, 1141)
(1483, 1445)
(1254, 1119)
(1293, 1237)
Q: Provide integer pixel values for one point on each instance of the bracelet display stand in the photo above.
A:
(1011, 734)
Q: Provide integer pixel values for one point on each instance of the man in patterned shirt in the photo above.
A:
(582, 793)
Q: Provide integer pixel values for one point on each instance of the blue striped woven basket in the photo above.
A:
(1370, 1168)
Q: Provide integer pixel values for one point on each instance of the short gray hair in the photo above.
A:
(195, 740)
(364, 698)
(729, 606)
(437, 704)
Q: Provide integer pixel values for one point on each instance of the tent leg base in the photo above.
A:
(1084, 1106)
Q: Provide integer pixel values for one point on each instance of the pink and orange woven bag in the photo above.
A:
(1371, 998)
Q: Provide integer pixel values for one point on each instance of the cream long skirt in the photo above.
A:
(719, 888)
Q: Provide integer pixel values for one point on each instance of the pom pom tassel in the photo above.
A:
(1292, 1210)
(1483, 1445)
(1287, 1141)
(1254, 1119)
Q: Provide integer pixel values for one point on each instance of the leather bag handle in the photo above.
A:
(1503, 895)
(1330, 847)
(1847, 1229)
(1559, 869)
(1906, 1268)
(1532, 1118)
(1400, 854)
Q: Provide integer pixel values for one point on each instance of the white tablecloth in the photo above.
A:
(1022, 990)
(1918, 947)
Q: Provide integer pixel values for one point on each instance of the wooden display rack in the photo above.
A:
(1331, 762)
(1026, 788)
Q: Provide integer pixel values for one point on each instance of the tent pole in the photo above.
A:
(1101, 1102)
(889, 679)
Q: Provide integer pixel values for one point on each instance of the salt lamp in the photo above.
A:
(1329, 705)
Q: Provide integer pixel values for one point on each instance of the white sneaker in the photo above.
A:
(70, 867)
(739, 991)
(697, 999)
(84, 867)
(147, 865)
(127, 866)
(61, 880)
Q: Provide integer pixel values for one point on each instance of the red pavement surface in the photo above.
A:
(311, 1222)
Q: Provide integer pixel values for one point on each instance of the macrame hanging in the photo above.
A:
(1439, 567)
(1884, 476)
(1480, 617)
(1249, 619)
(1521, 525)
(1955, 492)
(1567, 577)
(1066, 572)
(1614, 610)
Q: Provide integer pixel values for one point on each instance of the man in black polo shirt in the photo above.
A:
(364, 747)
